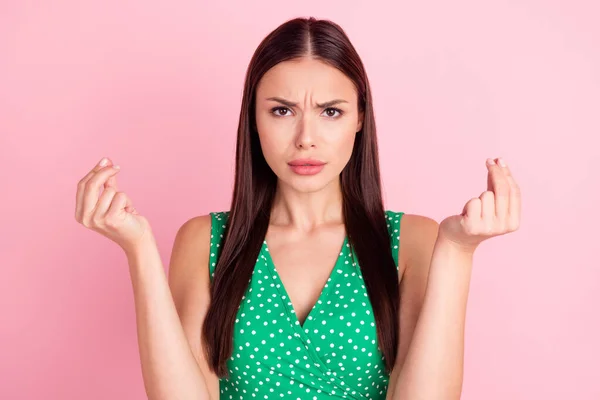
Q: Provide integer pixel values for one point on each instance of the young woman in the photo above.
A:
(305, 288)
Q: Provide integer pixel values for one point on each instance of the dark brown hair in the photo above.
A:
(255, 185)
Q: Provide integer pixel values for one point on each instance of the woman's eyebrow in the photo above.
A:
(292, 104)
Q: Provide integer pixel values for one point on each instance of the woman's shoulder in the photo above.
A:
(199, 227)
(418, 234)
(197, 238)
(194, 230)
(219, 214)
(411, 221)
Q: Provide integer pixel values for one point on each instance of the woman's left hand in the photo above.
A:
(495, 212)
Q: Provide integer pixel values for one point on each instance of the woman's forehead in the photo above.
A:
(296, 78)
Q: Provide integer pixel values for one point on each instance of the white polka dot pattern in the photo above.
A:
(335, 353)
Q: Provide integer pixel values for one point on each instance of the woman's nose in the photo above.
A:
(305, 137)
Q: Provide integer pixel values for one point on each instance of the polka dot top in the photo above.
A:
(334, 354)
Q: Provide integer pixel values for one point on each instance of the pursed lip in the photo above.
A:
(305, 161)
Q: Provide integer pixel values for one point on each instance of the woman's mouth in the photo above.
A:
(306, 166)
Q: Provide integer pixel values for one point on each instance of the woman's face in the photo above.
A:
(307, 118)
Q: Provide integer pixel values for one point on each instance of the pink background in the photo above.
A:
(156, 85)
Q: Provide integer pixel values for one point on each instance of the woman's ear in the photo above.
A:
(361, 116)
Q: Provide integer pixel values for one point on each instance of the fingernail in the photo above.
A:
(501, 162)
(103, 162)
(490, 161)
(116, 167)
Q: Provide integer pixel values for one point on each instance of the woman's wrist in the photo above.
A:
(140, 249)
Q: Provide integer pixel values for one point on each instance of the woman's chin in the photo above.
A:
(306, 184)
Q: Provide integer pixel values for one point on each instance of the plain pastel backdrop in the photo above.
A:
(156, 85)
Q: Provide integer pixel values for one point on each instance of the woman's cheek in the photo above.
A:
(342, 137)
(272, 147)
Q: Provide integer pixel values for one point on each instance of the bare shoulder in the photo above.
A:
(194, 230)
(188, 265)
(189, 282)
(418, 234)
(190, 250)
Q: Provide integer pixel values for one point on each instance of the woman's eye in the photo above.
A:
(280, 111)
(330, 112)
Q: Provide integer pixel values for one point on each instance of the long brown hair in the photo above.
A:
(255, 185)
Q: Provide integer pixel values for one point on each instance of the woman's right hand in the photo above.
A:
(112, 213)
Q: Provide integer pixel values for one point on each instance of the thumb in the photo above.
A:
(112, 182)
(131, 209)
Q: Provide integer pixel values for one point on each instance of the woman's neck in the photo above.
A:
(307, 211)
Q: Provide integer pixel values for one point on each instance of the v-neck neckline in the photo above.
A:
(324, 290)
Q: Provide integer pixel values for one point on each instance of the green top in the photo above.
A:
(335, 353)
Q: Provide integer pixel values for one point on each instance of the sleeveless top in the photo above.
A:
(334, 353)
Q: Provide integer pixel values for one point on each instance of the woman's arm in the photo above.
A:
(433, 366)
(169, 367)
(419, 242)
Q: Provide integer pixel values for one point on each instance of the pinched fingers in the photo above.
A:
(88, 190)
